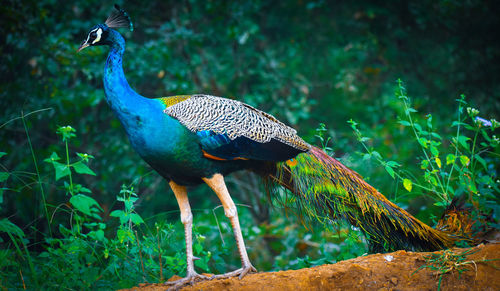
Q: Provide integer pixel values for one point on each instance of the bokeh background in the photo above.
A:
(306, 62)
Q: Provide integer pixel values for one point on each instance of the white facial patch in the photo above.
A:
(88, 36)
(98, 37)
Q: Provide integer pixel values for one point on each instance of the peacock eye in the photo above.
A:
(94, 36)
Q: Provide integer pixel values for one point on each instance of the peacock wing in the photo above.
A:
(229, 129)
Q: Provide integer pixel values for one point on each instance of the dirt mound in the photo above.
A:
(476, 268)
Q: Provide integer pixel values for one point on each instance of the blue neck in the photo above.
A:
(120, 96)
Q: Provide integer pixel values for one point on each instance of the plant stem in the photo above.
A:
(67, 165)
(44, 201)
(403, 96)
(456, 147)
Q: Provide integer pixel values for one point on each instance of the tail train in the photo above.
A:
(327, 190)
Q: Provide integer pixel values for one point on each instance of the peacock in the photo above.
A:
(195, 139)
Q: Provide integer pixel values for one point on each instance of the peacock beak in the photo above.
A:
(82, 46)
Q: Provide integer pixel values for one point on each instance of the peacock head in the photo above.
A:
(100, 34)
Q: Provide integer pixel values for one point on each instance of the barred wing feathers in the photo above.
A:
(229, 129)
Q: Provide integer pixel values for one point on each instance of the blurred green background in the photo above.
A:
(306, 62)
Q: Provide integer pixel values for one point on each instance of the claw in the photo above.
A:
(190, 279)
(242, 272)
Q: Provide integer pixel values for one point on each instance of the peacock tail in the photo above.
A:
(326, 190)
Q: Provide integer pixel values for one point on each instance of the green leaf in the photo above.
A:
(423, 142)
(124, 235)
(81, 168)
(2, 154)
(117, 213)
(462, 140)
(441, 203)
(84, 204)
(424, 164)
(53, 157)
(392, 164)
(61, 170)
(436, 135)
(457, 123)
(135, 218)
(407, 184)
(390, 171)
(404, 122)
(450, 158)
(481, 161)
(433, 181)
(84, 190)
(434, 151)
(122, 215)
(464, 160)
(377, 155)
(8, 227)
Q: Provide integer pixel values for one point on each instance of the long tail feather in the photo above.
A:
(327, 190)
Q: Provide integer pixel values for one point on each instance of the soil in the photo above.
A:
(478, 269)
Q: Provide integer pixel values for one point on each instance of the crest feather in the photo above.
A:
(119, 18)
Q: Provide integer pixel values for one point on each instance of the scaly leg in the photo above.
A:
(186, 219)
(217, 184)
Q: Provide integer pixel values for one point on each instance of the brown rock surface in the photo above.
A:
(392, 271)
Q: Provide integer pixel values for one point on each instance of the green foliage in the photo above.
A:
(470, 157)
(88, 252)
(305, 62)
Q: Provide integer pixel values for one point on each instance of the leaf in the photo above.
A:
(377, 155)
(436, 135)
(433, 181)
(463, 141)
(464, 160)
(423, 142)
(116, 213)
(81, 168)
(392, 164)
(136, 219)
(84, 190)
(407, 184)
(84, 204)
(390, 171)
(424, 164)
(450, 159)
(61, 170)
(53, 157)
(441, 203)
(8, 227)
(438, 162)
(124, 235)
(457, 123)
(2, 154)
(404, 123)
(434, 151)
(479, 159)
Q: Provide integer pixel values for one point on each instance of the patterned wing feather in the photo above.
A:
(244, 126)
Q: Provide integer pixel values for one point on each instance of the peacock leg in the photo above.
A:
(186, 219)
(217, 184)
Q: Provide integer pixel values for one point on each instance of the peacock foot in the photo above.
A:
(191, 278)
(242, 272)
